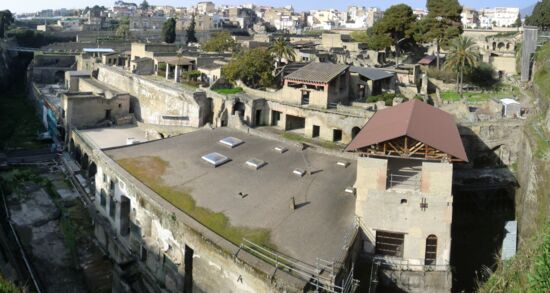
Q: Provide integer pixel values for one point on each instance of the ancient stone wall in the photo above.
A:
(156, 102)
(492, 143)
(160, 235)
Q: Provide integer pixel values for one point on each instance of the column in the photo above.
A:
(177, 73)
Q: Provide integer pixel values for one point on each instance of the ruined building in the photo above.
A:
(404, 194)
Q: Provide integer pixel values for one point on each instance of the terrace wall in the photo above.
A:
(157, 103)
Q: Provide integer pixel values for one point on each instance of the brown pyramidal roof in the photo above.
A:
(416, 120)
(317, 72)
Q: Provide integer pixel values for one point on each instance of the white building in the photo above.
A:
(205, 7)
(374, 14)
(326, 19)
(356, 17)
(420, 13)
(470, 18)
(123, 9)
(500, 16)
(287, 22)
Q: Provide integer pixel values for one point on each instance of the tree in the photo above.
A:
(253, 67)
(6, 19)
(463, 56)
(144, 5)
(483, 75)
(540, 16)
(220, 42)
(190, 32)
(518, 22)
(169, 31)
(377, 39)
(397, 25)
(123, 29)
(282, 49)
(442, 24)
(359, 36)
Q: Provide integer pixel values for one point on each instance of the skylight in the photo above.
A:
(281, 149)
(216, 159)
(255, 163)
(299, 172)
(231, 142)
(344, 164)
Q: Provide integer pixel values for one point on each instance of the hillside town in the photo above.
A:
(143, 17)
(251, 148)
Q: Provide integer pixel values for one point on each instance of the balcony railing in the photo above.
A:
(407, 264)
(404, 180)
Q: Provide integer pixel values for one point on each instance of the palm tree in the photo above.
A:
(282, 49)
(462, 56)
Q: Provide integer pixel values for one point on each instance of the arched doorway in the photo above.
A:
(84, 162)
(355, 131)
(431, 250)
(72, 148)
(77, 154)
(59, 76)
(92, 170)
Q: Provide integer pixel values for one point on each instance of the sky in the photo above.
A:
(20, 6)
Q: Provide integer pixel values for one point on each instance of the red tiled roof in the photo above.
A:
(427, 60)
(416, 120)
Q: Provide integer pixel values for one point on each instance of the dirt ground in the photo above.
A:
(57, 232)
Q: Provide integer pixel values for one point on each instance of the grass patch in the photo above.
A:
(450, 96)
(528, 271)
(229, 91)
(149, 170)
(301, 139)
(19, 125)
(478, 97)
(542, 76)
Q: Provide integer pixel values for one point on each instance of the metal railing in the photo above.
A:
(407, 264)
(321, 276)
(407, 181)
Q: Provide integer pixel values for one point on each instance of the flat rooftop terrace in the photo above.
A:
(252, 201)
(116, 136)
(101, 86)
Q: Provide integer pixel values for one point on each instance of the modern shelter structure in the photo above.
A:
(404, 193)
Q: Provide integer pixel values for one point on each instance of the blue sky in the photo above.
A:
(34, 5)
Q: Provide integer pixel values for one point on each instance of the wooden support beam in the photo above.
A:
(391, 145)
(416, 148)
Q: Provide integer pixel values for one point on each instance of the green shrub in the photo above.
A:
(8, 287)
(35, 39)
(386, 97)
(192, 74)
(482, 76)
